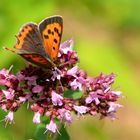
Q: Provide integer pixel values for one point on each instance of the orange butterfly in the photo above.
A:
(39, 44)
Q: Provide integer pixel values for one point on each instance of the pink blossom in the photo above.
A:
(31, 80)
(93, 113)
(7, 79)
(48, 113)
(36, 118)
(22, 99)
(118, 93)
(56, 75)
(76, 85)
(81, 109)
(10, 117)
(9, 94)
(67, 46)
(52, 126)
(112, 116)
(20, 76)
(57, 99)
(4, 72)
(93, 96)
(65, 114)
(37, 89)
(113, 106)
(73, 71)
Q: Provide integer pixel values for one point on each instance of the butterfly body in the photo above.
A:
(39, 44)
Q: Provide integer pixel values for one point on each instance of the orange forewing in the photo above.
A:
(51, 31)
(52, 42)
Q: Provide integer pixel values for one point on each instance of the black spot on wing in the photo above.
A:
(55, 40)
(55, 19)
(46, 36)
(53, 48)
(55, 29)
(49, 31)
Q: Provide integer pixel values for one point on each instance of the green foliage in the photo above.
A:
(73, 94)
(63, 134)
(39, 133)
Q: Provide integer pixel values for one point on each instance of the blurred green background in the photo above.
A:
(107, 39)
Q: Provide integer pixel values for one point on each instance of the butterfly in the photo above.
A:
(39, 44)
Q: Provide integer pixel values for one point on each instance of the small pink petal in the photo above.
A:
(89, 99)
(96, 101)
(81, 109)
(9, 94)
(36, 118)
(20, 76)
(73, 71)
(22, 99)
(51, 126)
(93, 113)
(118, 93)
(76, 85)
(68, 117)
(65, 114)
(31, 80)
(113, 107)
(10, 117)
(57, 99)
(37, 89)
(48, 113)
(67, 46)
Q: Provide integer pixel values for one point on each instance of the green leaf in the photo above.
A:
(64, 134)
(73, 94)
(39, 133)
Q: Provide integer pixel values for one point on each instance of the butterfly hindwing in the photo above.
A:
(51, 32)
(37, 59)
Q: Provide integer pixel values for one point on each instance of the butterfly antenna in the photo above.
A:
(8, 49)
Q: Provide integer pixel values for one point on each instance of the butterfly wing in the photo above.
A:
(29, 39)
(30, 45)
(37, 59)
(51, 32)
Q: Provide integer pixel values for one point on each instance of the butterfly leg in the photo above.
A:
(9, 49)
(62, 65)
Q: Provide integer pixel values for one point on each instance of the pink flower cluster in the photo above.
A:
(45, 90)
